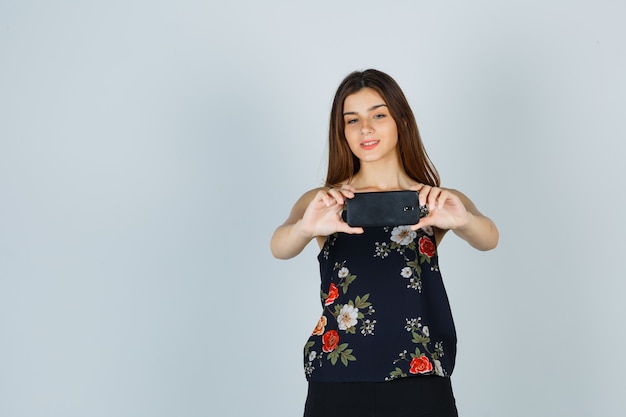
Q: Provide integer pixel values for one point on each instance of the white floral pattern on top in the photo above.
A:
(403, 235)
(403, 240)
(347, 316)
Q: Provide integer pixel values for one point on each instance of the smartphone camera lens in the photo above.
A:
(409, 208)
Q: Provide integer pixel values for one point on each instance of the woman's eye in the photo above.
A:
(351, 121)
(379, 116)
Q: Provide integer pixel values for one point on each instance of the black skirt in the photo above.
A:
(421, 396)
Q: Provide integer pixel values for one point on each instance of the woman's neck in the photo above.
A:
(378, 176)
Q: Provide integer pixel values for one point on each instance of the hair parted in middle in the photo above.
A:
(343, 164)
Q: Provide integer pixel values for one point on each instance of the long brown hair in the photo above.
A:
(342, 164)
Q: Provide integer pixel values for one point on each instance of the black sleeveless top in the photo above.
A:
(385, 314)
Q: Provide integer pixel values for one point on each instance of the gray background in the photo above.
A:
(148, 149)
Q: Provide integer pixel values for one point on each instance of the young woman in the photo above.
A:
(385, 343)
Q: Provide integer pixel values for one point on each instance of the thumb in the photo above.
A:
(345, 228)
(423, 222)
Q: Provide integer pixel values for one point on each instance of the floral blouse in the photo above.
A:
(385, 310)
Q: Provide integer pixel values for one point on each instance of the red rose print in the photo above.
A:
(421, 365)
(427, 247)
(330, 340)
(333, 293)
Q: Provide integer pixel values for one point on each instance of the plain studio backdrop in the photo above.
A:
(149, 149)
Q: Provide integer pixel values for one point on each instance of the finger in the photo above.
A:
(326, 197)
(347, 191)
(348, 187)
(337, 195)
(343, 193)
(433, 196)
(345, 228)
(424, 191)
(443, 197)
(423, 222)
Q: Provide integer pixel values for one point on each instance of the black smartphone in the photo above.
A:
(384, 208)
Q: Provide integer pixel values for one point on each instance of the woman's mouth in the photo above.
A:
(369, 144)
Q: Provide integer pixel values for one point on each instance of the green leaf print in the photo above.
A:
(420, 339)
(397, 373)
(346, 356)
(346, 282)
(424, 258)
(334, 355)
(417, 353)
(361, 302)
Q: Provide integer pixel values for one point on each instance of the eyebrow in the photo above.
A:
(369, 110)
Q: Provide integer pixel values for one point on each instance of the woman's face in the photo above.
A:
(370, 130)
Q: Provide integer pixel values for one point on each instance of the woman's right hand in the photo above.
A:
(316, 214)
(322, 216)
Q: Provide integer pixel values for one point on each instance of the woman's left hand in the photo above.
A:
(446, 210)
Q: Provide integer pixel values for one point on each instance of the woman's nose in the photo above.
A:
(366, 128)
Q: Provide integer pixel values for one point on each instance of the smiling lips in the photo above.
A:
(369, 144)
